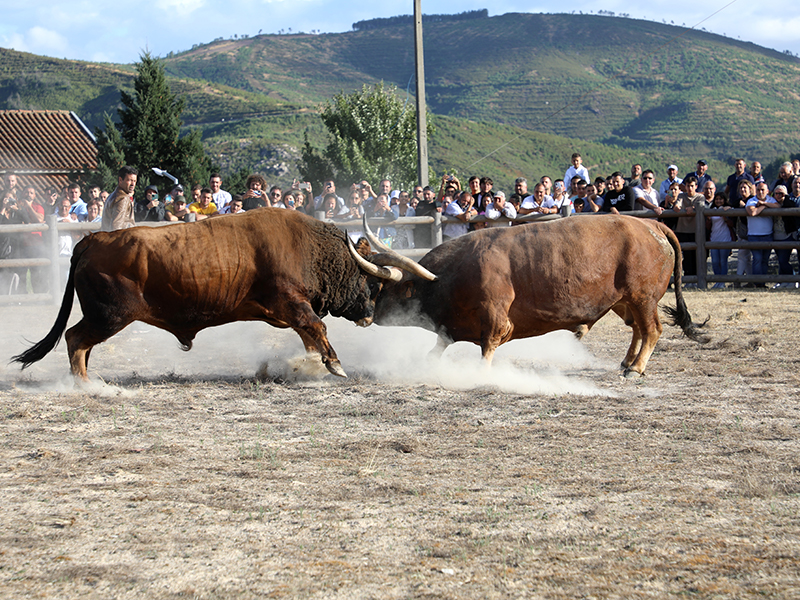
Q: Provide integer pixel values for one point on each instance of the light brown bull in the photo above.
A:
(507, 283)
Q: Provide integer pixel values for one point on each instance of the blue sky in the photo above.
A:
(119, 31)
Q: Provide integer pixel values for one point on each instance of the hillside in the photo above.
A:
(28, 81)
(640, 91)
(639, 84)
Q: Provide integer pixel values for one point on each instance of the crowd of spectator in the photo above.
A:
(675, 200)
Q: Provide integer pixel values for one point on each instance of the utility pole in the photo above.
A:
(422, 121)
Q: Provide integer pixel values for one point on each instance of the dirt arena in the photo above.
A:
(550, 476)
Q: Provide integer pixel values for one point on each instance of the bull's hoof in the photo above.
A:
(335, 367)
(631, 374)
(581, 331)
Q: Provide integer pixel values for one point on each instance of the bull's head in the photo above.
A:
(390, 270)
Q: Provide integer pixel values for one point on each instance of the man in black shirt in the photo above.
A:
(426, 208)
(620, 197)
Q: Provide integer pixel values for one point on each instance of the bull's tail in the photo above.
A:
(679, 316)
(39, 350)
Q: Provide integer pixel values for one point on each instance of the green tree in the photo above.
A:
(148, 134)
(372, 136)
(110, 155)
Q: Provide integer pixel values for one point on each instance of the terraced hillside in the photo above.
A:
(28, 81)
(630, 82)
(510, 95)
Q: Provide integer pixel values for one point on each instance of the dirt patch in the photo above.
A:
(556, 479)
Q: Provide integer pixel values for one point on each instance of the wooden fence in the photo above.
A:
(57, 265)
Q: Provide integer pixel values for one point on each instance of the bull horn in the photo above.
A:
(393, 258)
(391, 273)
(373, 239)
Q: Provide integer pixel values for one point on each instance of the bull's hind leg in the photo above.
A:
(81, 338)
(634, 349)
(650, 328)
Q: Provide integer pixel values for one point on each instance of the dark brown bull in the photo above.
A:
(272, 265)
(507, 283)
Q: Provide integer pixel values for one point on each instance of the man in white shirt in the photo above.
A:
(462, 209)
(78, 207)
(538, 203)
(646, 195)
(497, 208)
(220, 197)
(759, 228)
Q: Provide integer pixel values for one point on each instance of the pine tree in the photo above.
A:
(148, 134)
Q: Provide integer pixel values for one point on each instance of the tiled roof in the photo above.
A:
(43, 147)
(45, 142)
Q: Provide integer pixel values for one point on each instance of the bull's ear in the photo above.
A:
(363, 247)
(409, 289)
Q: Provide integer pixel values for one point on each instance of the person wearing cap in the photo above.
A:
(499, 207)
(177, 210)
(176, 189)
(701, 174)
(150, 208)
(672, 177)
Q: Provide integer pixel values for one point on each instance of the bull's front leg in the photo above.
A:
(314, 334)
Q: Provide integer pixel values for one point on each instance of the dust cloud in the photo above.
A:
(548, 364)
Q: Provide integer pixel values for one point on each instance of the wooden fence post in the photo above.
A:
(436, 230)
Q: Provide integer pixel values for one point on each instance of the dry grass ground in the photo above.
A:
(193, 480)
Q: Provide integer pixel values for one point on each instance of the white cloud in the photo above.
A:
(39, 40)
(780, 34)
(180, 7)
(87, 30)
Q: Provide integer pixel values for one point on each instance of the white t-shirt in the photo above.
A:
(221, 199)
(493, 214)
(455, 229)
(651, 196)
(720, 232)
(581, 172)
(530, 203)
